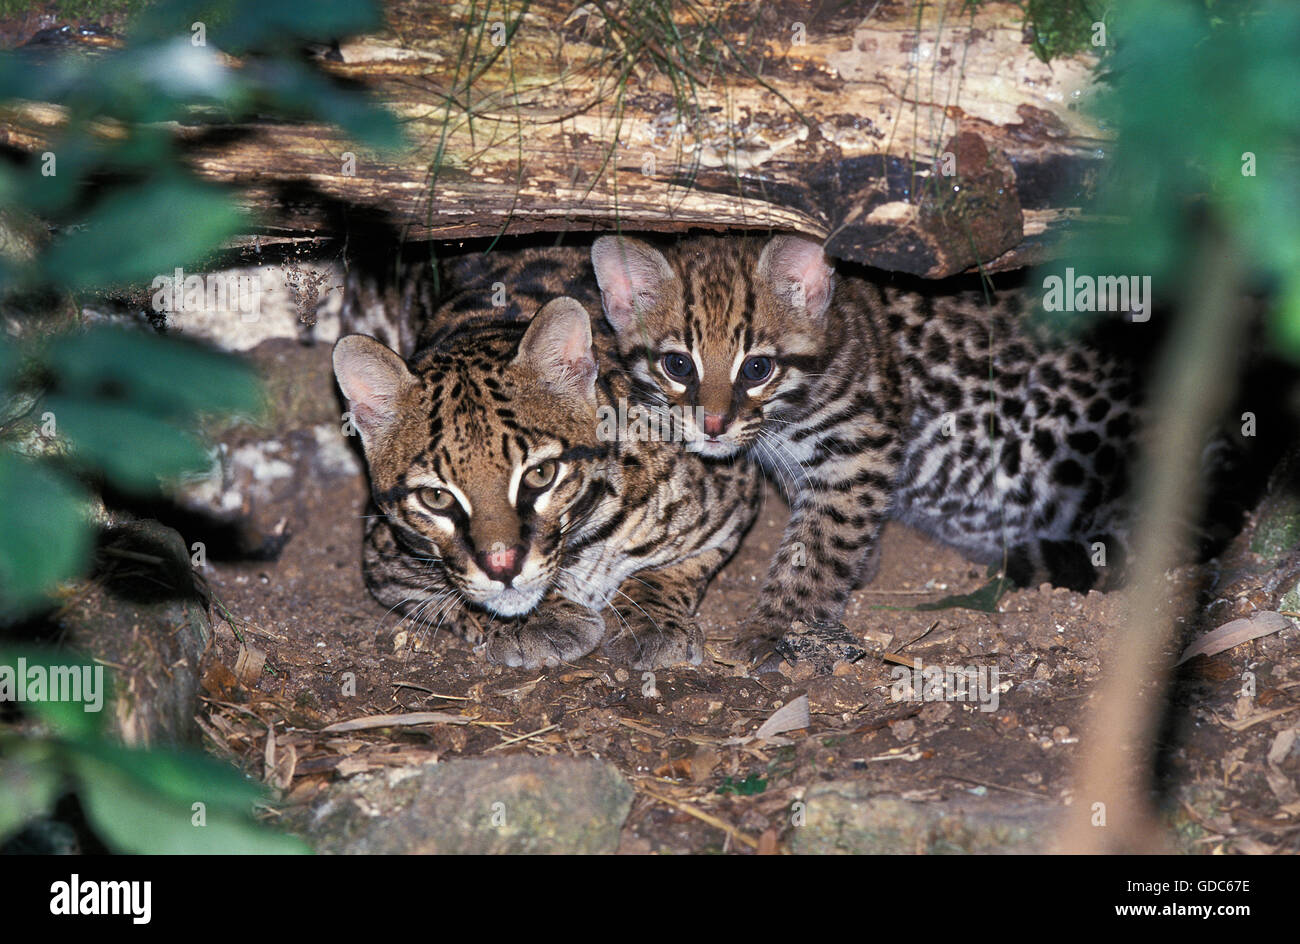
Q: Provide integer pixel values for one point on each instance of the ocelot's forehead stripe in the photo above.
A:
(719, 297)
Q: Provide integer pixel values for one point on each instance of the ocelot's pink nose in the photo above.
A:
(714, 424)
(502, 563)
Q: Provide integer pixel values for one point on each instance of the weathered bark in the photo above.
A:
(826, 122)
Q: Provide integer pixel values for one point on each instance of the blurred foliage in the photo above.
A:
(1057, 28)
(1061, 27)
(1204, 100)
(137, 801)
(112, 192)
(110, 202)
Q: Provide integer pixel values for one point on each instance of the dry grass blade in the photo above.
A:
(429, 691)
(522, 737)
(997, 786)
(643, 728)
(395, 721)
(1253, 720)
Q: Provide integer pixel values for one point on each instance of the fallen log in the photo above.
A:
(923, 138)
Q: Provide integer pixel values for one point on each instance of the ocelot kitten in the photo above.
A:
(505, 511)
(866, 402)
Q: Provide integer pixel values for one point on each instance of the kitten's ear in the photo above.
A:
(373, 378)
(799, 272)
(557, 348)
(632, 275)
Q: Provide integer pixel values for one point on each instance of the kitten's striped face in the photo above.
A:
(483, 454)
(719, 330)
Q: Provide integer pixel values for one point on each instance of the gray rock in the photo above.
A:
(1277, 519)
(515, 804)
(1278, 528)
(843, 817)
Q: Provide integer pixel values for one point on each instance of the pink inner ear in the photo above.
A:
(366, 416)
(576, 347)
(573, 353)
(557, 348)
(368, 386)
(808, 263)
(802, 263)
(372, 379)
(630, 275)
(372, 405)
(615, 278)
(617, 290)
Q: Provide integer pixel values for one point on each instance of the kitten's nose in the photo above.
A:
(502, 563)
(714, 424)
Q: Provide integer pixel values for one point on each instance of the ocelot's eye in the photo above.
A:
(541, 475)
(756, 369)
(678, 366)
(437, 499)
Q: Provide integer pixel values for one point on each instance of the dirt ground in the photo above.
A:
(679, 738)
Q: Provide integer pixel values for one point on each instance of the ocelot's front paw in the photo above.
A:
(821, 644)
(757, 639)
(545, 637)
(651, 647)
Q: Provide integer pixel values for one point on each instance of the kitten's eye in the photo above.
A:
(757, 368)
(541, 475)
(437, 499)
(678, 366)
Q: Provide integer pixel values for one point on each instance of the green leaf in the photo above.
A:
(135, 815)
(182, 379)
(297, 90)
(132, 448)
(984, 599)
(9, 362)
(79, 717)
(1286, 326)
(135, 234)
(73, 155)
(31, 779)
(44, 533)
(1206, 110)
(750, 786)
(253, 24)
(182, 776)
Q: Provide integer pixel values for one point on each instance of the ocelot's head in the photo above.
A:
(725, 331)
(483, 451)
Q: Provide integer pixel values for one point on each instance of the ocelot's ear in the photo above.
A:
(557, 349)
(632, 276)
(373, 378)
(798, 272)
